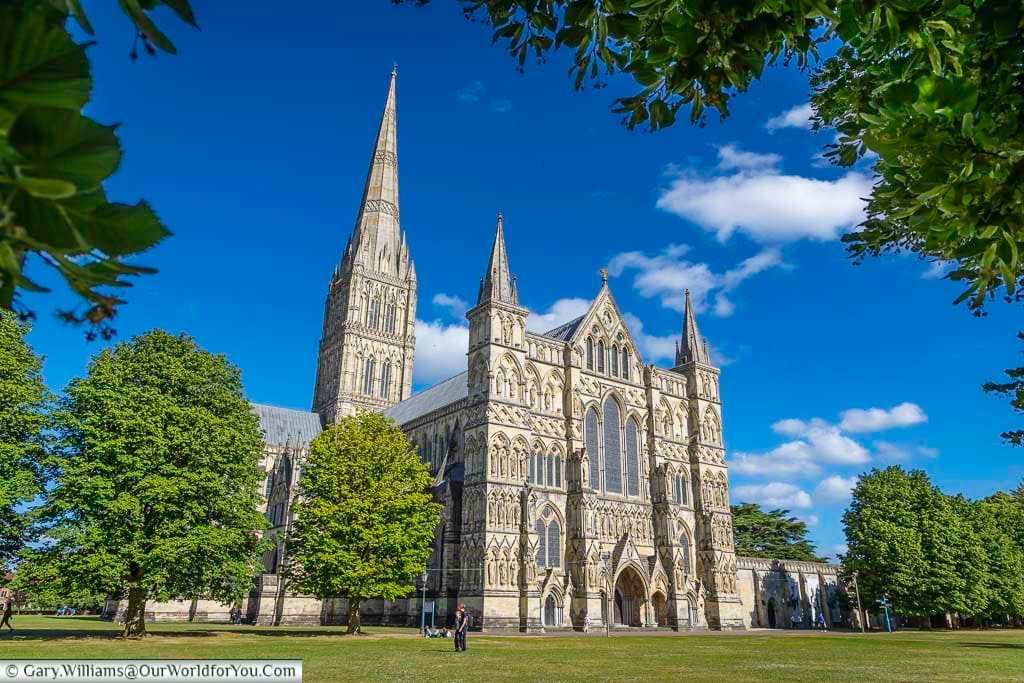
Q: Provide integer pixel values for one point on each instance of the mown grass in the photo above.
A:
(399, 655)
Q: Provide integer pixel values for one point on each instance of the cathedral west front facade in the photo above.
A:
(580, 485)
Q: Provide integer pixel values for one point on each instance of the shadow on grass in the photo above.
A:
(62, 634)
(995, 646)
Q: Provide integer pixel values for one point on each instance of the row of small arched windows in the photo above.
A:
(546, 469)
(615, 360)
(370, 378)
(378, 319)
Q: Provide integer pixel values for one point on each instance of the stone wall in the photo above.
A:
(789, 594)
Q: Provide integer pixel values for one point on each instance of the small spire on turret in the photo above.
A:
(692, 347)
(497, 283)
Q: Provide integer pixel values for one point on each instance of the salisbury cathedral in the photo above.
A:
(581, 485)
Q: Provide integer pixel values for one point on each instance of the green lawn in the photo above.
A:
(396, 654)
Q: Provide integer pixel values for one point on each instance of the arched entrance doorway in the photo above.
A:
(771, 613)
(629, 598)
(552, 612)
(660, 608)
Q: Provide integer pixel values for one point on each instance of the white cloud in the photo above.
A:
(456, 305)
(440, 351)
(793, 459)
(730, 157)
(763, 203)
(501, 106)
(840, 549)
(895, 452)
(878, 419)
(834, 489)
(774, 495)
(797, 117)
(667, 275)
(652, 348)
(812, 520)
(562, 311)
(938, 269)
(790, 427)
(472, 93)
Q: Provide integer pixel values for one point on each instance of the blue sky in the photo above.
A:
(253, 144)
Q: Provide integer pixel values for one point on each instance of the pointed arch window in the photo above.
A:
(373, 314)
(612, 447)
(389, 317)
(625, 363)
(558, 471)
(550, 463)
(549, 539)
(615, 360)
(369, 367)
(385, 380)
(681, 490)
(600, 356)
(632, 458)
(590, 428)
(684, 545)
(533, 467)
(542, 545)
(590, 353)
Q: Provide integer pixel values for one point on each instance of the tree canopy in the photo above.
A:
(23, 418)
(931, 553)
(54, 161)
(934, 89)
(773, 534)
(155, 479)
(364, 520)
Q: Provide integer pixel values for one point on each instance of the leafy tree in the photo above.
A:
(23, 418)
(1013, 390)
(54, 160)
(155, 480)
(39, 584)
(885, 545)
(364, 520)
(935, 89)
(913, 544)
(994, 520)
(774, 534)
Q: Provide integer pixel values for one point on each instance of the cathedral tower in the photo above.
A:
(716, 554)
(366, 350)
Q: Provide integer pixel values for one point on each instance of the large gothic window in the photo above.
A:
(590, 353)
(369, 367)
(615, 360)
(554, 543)
(590, 427)
(389, 318)
(600, 356)
(385, 380)
(612, 447)
(632, 458)
(550, 461)
(558, 471)
(625, 363)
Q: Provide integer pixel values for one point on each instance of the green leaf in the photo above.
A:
(119, 229)
(184, 11)
(967, 125)
(47, 188)
(146, 25)
(64, 144)
(75, 9)
(39, 63)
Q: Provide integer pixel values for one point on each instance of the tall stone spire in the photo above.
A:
(693, 347)
(497, 284)
(377, 237)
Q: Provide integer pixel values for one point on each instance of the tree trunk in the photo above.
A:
(192, 610)
(353, 616)
(135, 615)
